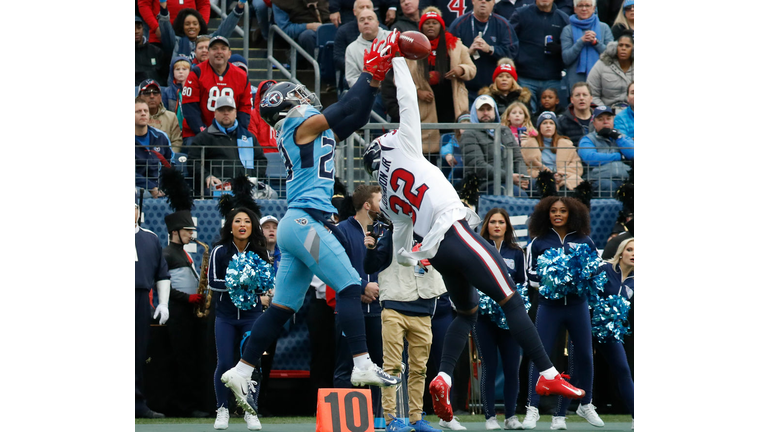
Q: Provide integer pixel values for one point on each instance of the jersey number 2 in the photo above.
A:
(414, 197)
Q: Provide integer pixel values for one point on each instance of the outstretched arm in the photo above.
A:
(409, 132)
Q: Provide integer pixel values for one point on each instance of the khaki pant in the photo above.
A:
(418, 332)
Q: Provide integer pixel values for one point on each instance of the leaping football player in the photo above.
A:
(419, 201)
(305, 140)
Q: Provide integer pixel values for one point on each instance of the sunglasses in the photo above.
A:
(150, 92)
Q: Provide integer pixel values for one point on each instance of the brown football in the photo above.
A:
(414, 45)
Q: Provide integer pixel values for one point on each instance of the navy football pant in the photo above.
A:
(466, 260)
(575, 318)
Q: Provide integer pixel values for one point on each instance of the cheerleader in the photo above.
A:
(620, 271)
(561, 223)
(240, 234)
(491, 331)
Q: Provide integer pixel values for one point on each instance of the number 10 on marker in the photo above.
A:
(344, 410)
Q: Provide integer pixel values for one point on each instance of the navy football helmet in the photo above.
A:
(282, 97)
(372, 158)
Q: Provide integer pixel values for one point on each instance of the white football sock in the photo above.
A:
(244, 370)
(550, 373)
(445, 377)
(363, 362)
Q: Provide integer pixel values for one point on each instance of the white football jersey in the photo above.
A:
(415, 196)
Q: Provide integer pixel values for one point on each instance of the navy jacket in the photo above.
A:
(550, 240)
(355, 248)
(150, 264)
(515, 261)
(498, 34)
(614, 285)
(506, 9)
(147, 164)
(217, 272)
(532, 26)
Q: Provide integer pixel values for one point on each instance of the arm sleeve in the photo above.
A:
(514, 21)
(570, 49)
(228, 26)
(333, 6)
(592, 157)
(531, 265)
(507, 44)
(204, 7)
(594, 80)
(607, 38)
(621, 124)
(283, 21)
(409, 132)
(402, 241)
(626, 141)
(162, 269)
(519, 276)
(217, 270)
(379, 258)
(178, 296)
(145, 9)
(193, 116)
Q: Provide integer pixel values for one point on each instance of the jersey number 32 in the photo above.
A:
(413, 198)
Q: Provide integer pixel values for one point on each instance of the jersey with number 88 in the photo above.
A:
(214, 94)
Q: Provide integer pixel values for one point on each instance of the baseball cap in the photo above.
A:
(629, 3)
(215, 39)
(268, 218)
(148, 83)
(239, 61)
(483, 100)
(225, 101)
(138, 19)
(602, 109)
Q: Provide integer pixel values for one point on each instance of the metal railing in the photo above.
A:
(295, 47)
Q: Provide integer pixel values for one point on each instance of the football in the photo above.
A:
(414, 45)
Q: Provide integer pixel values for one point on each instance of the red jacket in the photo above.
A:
(263, 132)
(150, 8)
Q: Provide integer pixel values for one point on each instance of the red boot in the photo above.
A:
(441, 402)
(557, 386)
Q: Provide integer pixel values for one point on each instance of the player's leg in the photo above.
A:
(326, 258)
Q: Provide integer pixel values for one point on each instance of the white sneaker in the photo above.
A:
(531, 417)
(513, 423)
(252, 421)
(492, 424)
(372, 376)
(222, 418)
(588, 412)
(453, 424)
(243, 389)
(558, 423)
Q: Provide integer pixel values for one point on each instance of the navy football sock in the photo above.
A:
(349, 314)
(455, 339)
(264, 331)
(524, 332)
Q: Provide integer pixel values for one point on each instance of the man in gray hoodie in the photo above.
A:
(477, 149)
(368, 24)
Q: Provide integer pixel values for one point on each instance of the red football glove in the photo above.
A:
(378, 60)
(195, 298)
(424, 262)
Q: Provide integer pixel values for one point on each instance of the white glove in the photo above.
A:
(162, 310)
(404, 260)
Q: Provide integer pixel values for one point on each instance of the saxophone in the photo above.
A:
(202, 288)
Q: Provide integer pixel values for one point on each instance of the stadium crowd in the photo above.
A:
(558, 75)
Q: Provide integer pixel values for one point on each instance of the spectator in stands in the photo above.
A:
(491, 332)
(269, 227)
(506, 8)
(149, 10)
(159, 117)
(516, 117)
(575, 121)
(504, 89)
(300, 20)
(477, 149)
(540, 61)
(604, 151)
(583, 40)
(368, 25)
(209, 80)
(264, 133)
(244, 155)
(261, 10)
(625, 20)
(611, 76)
(625, 120)
(343, 11)
(180, 67)
(408, 299)
(189, 24)
(489, 38)
(408, 18)
(152, 147)
(148, 62)
(450, 10)
(201, 49)
(549, 151)
(346, 34)
(549, 101)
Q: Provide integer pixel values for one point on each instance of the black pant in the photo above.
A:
(143, 319)
(187, 343)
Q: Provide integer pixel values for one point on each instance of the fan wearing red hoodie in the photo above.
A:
(150, 8)
(263, 132)
(206, 82)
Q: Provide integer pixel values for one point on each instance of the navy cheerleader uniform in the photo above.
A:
(572, 312)
(491, 336)
(613, 350)
(231, 322)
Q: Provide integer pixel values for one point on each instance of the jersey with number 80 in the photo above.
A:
(204, 86)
